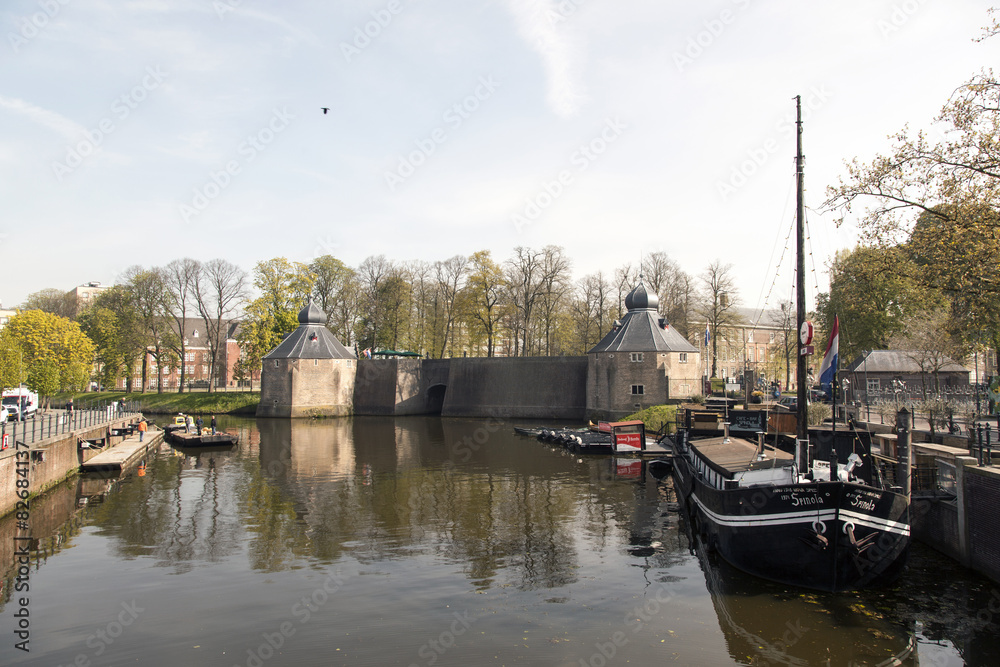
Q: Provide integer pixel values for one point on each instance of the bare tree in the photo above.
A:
(523, 273)
(555, 285)
(626, 278)
(179, 277)
(422, 287)
(591, 310)
(219, 289)
(450, 276)
(373, 272)
(53, 301)
(151, 300)
(718, 303)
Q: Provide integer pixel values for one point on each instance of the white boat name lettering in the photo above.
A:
(798, 501)
(857, 501)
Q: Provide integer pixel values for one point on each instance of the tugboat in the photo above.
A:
(827, 523)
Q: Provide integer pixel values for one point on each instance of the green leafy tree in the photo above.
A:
(482, 302)
(334, 289)
(872, 292)
(53, 352)
(113, 324)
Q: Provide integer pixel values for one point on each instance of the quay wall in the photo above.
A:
(522, 387)
(52, 460)
(966, 527)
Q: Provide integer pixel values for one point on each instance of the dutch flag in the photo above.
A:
(829, 367)
(708, 336)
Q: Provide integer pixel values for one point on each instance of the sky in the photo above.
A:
(141, 131)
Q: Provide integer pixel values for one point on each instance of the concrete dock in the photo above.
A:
(124, 454)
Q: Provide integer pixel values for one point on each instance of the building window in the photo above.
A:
(635, 356)
(873, 385)
(638, 390)
(682, 357)
(772, 337)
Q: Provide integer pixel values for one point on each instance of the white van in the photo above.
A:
(21, 403)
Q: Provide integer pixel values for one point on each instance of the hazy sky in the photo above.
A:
(136, 132)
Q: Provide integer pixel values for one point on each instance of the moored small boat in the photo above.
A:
(205, 439)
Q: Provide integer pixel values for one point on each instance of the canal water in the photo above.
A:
(427, 541)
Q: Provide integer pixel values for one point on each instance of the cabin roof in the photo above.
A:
(729, 456)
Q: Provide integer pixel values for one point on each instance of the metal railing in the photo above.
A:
(53, 423)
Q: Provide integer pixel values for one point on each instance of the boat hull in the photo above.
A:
(831, 536)
(182, 439)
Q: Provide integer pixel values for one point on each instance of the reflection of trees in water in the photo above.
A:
(509, 509)
(182, 511)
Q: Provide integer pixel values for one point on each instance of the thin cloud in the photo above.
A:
(545, 29)
(50, 119)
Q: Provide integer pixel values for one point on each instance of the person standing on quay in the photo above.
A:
(199, 423)
(189, 424)
(142, 429)
(213, 424)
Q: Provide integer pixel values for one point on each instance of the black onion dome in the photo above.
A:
(311, 314)
(641, 299)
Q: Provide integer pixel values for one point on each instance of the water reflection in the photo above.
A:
(551, 552)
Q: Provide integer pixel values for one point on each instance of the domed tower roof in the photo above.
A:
(311, 314)
(641, 299)
(311, 340)
(642, 329)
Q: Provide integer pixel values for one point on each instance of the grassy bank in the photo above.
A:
(657, 418)
(234, 403)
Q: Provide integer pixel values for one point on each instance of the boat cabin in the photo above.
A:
(727, 463)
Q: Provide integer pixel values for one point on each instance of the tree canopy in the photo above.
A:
(52, 353)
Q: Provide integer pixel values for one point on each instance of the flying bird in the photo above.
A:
(325, 109)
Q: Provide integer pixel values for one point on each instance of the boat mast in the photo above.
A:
(802, 410)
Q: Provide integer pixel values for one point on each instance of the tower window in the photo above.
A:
(635, 356)
(638, 389)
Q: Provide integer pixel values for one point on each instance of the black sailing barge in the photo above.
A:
(828, 522)
(750, 502)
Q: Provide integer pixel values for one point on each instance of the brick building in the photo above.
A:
(641, 362)
(197, 362)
